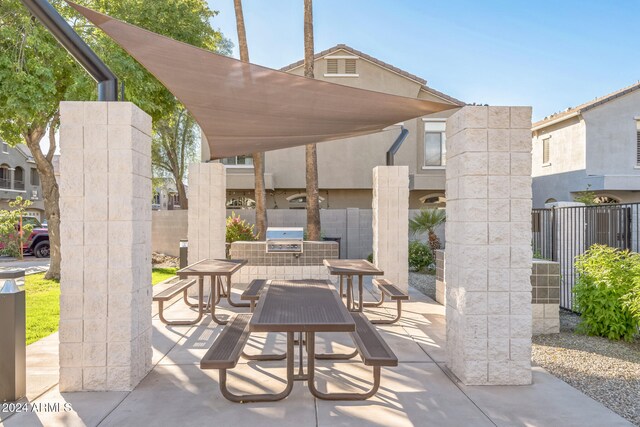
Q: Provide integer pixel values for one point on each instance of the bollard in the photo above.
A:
(13, 372)
(184, 252)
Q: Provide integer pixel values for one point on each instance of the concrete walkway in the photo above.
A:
(420, 391)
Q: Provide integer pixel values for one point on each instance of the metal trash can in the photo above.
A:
(13, 370)
(184, 252)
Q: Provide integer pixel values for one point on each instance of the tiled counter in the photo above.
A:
(545, 297)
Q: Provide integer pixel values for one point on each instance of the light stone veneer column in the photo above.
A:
(207, 214)
(105, 233)
(391, 223)
(488, 250)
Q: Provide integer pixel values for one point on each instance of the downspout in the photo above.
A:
(396, 145)
(71, 41)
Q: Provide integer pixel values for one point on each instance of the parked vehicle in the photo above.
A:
(38, 242)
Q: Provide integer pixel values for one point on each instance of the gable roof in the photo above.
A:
(376, 61)
(572, 112)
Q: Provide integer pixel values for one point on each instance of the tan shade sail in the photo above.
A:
(244, 108)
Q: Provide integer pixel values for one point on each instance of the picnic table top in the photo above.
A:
(206, 267)
(352, 267)
(301, 306)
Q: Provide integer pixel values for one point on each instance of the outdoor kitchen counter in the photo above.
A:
(313, 253)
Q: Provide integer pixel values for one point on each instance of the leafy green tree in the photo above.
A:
(12, 237)
(587, 196)
(426, 222)
(36, 73)
(175, 145)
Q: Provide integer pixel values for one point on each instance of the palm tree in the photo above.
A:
(426, 222)
(258, 158)
(311, 156)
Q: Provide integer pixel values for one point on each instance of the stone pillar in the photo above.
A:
(105, 233)
(488, 252)
(207, 213)
(391, 223)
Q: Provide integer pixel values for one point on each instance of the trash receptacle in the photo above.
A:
(13, 370)
(184, 252)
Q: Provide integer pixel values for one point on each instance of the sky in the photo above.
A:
(548, 54)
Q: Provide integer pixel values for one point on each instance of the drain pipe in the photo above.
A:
(71, 41)
(396, 145)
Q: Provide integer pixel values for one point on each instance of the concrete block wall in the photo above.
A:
(440, 283)
(545, 298)
(168, 228)
(488, 252)
(206, 214)
(105, 301)
(391, 223)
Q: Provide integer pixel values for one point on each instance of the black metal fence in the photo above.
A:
(561, 234)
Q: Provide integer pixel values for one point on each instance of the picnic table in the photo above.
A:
(216, 269)
(349, 268)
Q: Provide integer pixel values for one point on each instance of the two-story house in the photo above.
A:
(19, 177)
(345, 166)
(594, 146)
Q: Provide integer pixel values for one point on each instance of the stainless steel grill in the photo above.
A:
(284, 240)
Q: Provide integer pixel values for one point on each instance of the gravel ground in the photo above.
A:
(607, 371)
(425, 283)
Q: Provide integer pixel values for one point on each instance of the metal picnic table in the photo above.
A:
(350, 268)
(215, 269)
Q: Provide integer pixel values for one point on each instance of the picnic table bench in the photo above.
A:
(162, 294)
(387, 288)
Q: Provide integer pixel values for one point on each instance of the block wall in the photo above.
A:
(488, 251)
(105, 233)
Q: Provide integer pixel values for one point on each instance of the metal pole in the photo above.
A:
(71, 41)
(184, 252)
(13, 356)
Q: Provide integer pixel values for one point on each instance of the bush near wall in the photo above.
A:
(606, 290)
(420, 255)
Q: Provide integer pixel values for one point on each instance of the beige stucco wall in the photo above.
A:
(567, 149)
(167, 228)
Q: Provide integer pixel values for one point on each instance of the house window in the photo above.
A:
(242, 161)
(434, 201)
(434, 144)
(18, 178)
(5, 180)
(35, 178)
(545, 151)
(5, 147)
(350, 66)
(299, 201)
(332, 66)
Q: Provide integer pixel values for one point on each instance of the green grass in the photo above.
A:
(43, 306)
(43, 302)
(160, 274)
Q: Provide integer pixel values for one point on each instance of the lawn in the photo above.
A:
(43, 302)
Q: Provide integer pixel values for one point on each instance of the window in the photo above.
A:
(545, 151)
(18, 178)
(332, 66)
(299, 201)
(434, 201)
(5, 180)
(350, 66)
(241, 203)
(242, 161)
(35, 178)
(5, 147)
(434, 144)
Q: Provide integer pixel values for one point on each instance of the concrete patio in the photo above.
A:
(419, 391)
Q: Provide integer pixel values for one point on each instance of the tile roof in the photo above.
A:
(370, 58)
(570, 112)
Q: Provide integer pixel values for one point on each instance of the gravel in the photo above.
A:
(425, 283)
(607, 371)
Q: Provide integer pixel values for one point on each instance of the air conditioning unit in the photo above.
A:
(34, 194)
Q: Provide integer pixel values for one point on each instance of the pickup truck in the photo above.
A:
(38, 242)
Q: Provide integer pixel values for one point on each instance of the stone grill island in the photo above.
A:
(261, 265)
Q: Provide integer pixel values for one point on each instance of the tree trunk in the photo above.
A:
(311, 156)
(182, 194)
(258, 158)
(51, 193)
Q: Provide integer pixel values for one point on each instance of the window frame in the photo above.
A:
(236, 165)
(546, 151)
(434, 126)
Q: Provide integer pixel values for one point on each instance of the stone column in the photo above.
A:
(391, 223)
(488, 252)
(105, 232)
(207, 213)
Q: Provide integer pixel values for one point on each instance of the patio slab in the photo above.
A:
(417, 392)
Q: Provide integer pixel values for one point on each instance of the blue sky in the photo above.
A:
(548, 54)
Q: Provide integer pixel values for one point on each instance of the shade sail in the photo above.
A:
(244, 108)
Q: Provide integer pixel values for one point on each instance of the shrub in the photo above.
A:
(239, 230)
(606, 278)
(370, 258)
(420, 255)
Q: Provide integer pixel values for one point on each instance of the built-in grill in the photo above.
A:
(284, 240)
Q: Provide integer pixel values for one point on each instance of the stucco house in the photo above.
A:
(19, 177)
(594, 146)
(344, 166)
